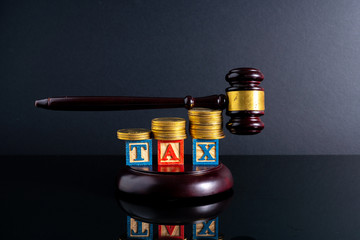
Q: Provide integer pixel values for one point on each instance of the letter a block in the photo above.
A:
(171, 152)
(205, 151)
(139, 230)
(139, 152)
(206, 230)
(171, 231)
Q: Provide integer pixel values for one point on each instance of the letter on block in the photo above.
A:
(171, 152)
(206, 230)
(139, 230)
(139, 153)
(171, 231)
(205, 152)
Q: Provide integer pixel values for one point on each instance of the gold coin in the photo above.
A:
(204, 111)
(207, 134)
(175, 137)
(204, 132)
(169, 130)
(208, 137)
(205, 129)
(175, 128)
(164, 120)
(208, 127)
(205, 121)
(169, 133)
(205, 118)
(133, 134)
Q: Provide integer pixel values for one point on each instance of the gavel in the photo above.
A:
(244, 102)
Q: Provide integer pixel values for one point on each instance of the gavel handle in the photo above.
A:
(116, 103)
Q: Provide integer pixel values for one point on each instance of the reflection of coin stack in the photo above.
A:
(206, 128)
(170, 133)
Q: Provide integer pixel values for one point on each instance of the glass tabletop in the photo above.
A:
(274, 197)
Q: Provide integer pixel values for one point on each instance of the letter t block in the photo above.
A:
(205, 151)
(139, 152)
(139, 230)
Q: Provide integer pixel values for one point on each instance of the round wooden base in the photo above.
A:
(191, 182)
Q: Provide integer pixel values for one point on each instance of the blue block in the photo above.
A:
(206, 230)
(138, 229)
(205, 151)
(139, 153)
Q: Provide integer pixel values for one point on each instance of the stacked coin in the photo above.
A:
(133, 134)
(169, 128)
(206, 123)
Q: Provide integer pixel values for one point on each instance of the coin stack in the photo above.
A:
(133, 134)
(206, 123)
(169, 128)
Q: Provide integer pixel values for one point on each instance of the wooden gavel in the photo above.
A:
(244, 102)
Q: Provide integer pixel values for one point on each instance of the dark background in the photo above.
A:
(308, 51)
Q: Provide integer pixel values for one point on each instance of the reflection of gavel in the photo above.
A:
(244, 102)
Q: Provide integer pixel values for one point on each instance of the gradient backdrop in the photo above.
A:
(309, 52)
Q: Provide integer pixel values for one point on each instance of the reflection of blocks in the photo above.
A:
(202, 167)
(139, 152)
(171, 231)
(171, 168)
(139, 230)
(170, 152)
(206, 230)
(145, 168)
(205, 151)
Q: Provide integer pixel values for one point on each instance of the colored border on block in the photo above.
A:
(127, 149)
(181, 154)
(150, 237)
(216, 152)
(171, 237)
(203, 236)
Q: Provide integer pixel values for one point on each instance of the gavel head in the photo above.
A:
(245, 101)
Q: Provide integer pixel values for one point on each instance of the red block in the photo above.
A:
(171, 231)
(171, 152)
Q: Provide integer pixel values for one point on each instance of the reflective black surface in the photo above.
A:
(275, 197)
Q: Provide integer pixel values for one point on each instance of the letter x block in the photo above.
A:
(139, 230)
(171, 152)
(139, 152)
(171, 231)
(205, 151)
(206, 230)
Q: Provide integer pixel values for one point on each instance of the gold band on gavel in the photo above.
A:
(246, 100)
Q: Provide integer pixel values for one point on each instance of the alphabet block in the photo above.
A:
(171, 152)
(139, 152)
(205, 151)
(139, 230)
(171, 231)
(206, 230)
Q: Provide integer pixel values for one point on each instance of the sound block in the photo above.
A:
(192, 182)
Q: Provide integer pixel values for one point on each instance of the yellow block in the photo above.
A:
(246, 100)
